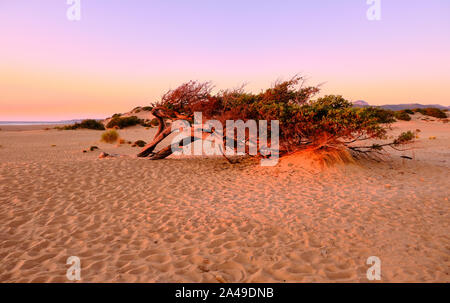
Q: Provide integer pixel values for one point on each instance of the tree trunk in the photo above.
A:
(167, 151)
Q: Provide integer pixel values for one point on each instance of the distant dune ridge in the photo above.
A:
(362, 103)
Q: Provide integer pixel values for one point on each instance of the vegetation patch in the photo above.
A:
(402, 115)
(110, 136)
(139, 143)
(384, 116)
(432, 112)
(154, 122)
(323, 124)
(122, 122)
(86, 124)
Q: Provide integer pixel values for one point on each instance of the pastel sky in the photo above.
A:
(127, 53)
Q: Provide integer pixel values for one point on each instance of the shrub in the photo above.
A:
(384, 116)
(110, 136)
(154, 122)
(405, 137)
(92, 124)
(147, 108)
(402, 115)
(122, 122)
(87, 124)
(139, 143)
(327, 123)
(409, 111)
(432, 112)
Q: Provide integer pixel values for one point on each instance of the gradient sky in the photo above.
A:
(126, 53)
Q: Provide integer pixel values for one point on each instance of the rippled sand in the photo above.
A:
(203, 220)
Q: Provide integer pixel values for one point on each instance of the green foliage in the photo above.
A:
(431, 111)
(404, 138)
(86, 124)
(110, 136)
(409, 111)
(330, 102)
(122, 122)
(381, 115)
(327, 121)
(402, 115)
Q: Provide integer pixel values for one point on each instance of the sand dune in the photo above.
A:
(204, 220)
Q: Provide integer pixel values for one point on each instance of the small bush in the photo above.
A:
(110, 136)
(139, 143)
(147, 108)
(432, 112)
(154, 122)
(381, 115)
(122, 122)
(402, 115)
(92, 124)
(405, 137)
(409, 111)
(86, 124)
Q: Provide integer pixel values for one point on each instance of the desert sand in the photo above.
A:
(197, 219)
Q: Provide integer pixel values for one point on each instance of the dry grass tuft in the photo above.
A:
(334, 156)
(110, 136)
(317, 159)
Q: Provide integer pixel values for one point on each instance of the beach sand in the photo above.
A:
(204, 220)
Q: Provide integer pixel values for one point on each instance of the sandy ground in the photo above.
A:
(204, 220)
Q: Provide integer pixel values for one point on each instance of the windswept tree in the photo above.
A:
(327, 123)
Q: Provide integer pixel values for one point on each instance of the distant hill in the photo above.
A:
(395, 107)
(360, 103)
